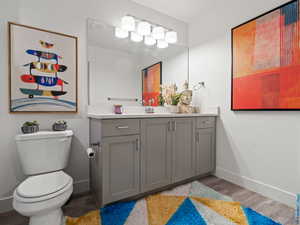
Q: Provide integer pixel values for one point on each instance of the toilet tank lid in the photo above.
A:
(44, 134)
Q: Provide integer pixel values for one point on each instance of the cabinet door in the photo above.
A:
(205, 150)
(183, 149)
(120, 167)
(156, 153)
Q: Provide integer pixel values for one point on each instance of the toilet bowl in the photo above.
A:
(41, 197)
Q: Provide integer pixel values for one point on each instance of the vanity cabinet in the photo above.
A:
(138, 156)
(183, 154)
(156, 145)
(121, 160)
(205, 145)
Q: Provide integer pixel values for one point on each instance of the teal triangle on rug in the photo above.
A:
(254, 218)
(186, 214)
(116, 214)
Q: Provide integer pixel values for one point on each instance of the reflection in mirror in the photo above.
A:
(131, 73)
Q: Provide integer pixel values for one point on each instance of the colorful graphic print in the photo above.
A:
(266, 61)
(151, 84)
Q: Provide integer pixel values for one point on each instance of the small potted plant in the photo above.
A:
(30, 127)
(60, 125)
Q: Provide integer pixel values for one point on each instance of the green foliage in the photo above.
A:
(176, 99)
(29, 124)
(161, 100)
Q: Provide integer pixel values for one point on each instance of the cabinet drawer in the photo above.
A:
(120, 127)
(205, 122)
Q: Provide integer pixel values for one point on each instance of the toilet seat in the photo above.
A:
(43, 187)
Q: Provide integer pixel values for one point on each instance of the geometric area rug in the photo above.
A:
(189, 204)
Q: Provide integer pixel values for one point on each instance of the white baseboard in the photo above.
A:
(79, 187)
(266, 190)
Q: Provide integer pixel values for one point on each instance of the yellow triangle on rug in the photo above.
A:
(91, 218)
(162, 207)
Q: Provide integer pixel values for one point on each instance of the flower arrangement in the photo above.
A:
(169, 94)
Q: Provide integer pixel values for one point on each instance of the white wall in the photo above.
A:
(70, 18)
(259, 150)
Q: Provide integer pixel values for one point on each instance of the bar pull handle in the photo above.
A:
(197, 137)
(174, 125)
(170, 126)
(122, 127)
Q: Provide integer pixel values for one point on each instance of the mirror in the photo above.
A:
(131, 72)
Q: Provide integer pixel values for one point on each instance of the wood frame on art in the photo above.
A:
(265, 68)
(42, 84)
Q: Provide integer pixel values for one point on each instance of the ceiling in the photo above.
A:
(184, 10)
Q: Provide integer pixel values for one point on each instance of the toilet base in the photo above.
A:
(54, 217)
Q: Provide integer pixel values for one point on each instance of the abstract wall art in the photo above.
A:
(266, 61)
(43, 70)
(152, 78)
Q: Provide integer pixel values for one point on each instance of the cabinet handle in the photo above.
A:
(169, 126)
(197, 137)
(122, 127)
(174, 125)
(137, 147)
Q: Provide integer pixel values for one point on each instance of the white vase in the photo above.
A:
(173, 108)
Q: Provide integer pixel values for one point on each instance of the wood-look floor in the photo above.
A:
(84, 203)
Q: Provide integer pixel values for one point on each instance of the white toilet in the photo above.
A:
(43, 156)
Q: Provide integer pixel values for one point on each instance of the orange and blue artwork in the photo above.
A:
(266, 61)
(152, 77)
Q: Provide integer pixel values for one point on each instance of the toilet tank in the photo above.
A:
(44, 151)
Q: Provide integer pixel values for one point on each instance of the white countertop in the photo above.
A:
(145, 115)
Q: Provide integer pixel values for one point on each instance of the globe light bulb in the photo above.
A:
(128, 23)
(144, 28)
(135, 37)
(171, 37)
(120, 33)
(149, 41)
(162, 44)
(158, 33)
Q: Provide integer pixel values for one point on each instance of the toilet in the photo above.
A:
(43, 156)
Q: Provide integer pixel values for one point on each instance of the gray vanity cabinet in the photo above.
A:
(183, 153)
(121, 156)
(205, 145)
(156, 144)
(137, 156)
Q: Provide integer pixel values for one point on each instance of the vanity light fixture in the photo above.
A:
(144, 28)
(149, 41)
(141, 29)
(120, 33)
(135, 37)
(128, 23)
(162, 44)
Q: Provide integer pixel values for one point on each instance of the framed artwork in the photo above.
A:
(266, 61)
(43, 70)
(152, 78)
